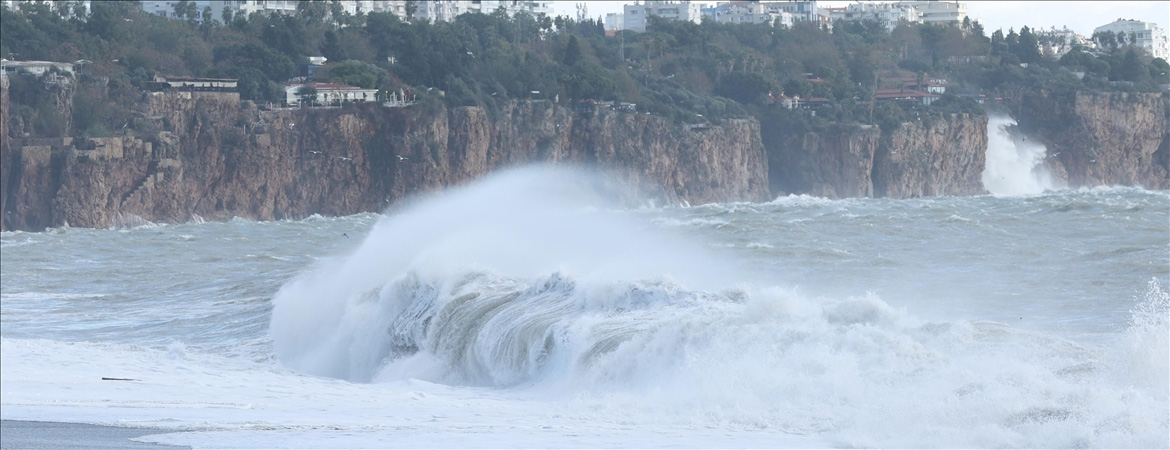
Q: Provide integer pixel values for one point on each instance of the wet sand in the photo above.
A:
(16, 434)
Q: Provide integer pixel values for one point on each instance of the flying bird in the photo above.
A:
(402, 158)
(345, 159)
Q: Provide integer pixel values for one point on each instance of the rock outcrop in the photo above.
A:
(217, 159)
(930, 158)
(1101, 138)
(6, 153)
(942, 156)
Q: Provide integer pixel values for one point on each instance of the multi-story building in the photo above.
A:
(1148, 35)
(67, 8)
(637, 14)
(513, 7)
(888, 14)
(938, 11)
(1056, 42)
(615, 21)
(438, 10)
(801, 11)
(166, 8)
(747, 12)
(441, 10)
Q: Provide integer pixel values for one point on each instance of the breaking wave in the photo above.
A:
(529, 281)
(1014, 165)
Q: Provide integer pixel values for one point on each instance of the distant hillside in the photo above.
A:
(679, 70)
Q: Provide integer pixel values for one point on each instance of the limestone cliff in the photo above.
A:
(6, 161)
(943, 156)
(217, 159)
(932, 158)
(1101, 138)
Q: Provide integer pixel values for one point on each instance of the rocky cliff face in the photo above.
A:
(1102, 138)
(5, 150)
(923, 158)
(932, 158)
(217, 160)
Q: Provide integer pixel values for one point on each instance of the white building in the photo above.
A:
(442, 10)
(437, 11)
(1149, 36)
(888, 14)
(748, 12)
(535, 8)
(67, 8)
(1056, 42)
(615, 21)
(448, 10)
(636, 15)
(34, 67)
(166, 8)
(329, 94)
(938, 11)
(801, 11)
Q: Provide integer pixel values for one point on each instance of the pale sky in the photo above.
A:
(1081, 17)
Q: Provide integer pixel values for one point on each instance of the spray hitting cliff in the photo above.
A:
(1015, 166)
(1101, 138)
(217, 159)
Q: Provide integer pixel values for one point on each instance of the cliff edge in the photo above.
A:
(216, 158)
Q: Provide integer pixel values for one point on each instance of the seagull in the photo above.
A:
(345, 159)
(314, 152)
(402, 158)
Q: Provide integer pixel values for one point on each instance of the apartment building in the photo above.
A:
(166, 8)
(801, 11)
(67, 8)
(637, 14)
(1149, 35)
(939, 12)
(437, 11)
(1056, 42)
(747, 12)
(888, 14)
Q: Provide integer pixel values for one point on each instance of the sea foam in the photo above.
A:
(522, 283)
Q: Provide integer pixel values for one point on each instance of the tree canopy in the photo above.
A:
(676, 69)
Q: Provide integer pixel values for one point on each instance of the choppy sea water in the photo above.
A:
(526, 311)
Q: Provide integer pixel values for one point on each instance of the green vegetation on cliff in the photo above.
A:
(684, 71)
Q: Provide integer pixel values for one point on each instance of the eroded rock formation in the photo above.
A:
(943, 156)
(218, 159)
(1101, 138)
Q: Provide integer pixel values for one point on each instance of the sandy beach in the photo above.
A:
(18, 434)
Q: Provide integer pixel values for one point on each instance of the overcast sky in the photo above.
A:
(1082, 17)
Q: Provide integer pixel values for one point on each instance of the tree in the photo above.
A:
(331, 47)
(1160, 71)
(1132, 68)
(307, 95)
(572, 52)
(357, 73)
(411, 9)
(742, 87)
(1028, 47)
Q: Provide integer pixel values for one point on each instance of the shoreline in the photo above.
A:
(27, 434)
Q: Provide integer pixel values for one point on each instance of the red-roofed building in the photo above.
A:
(931, 85)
